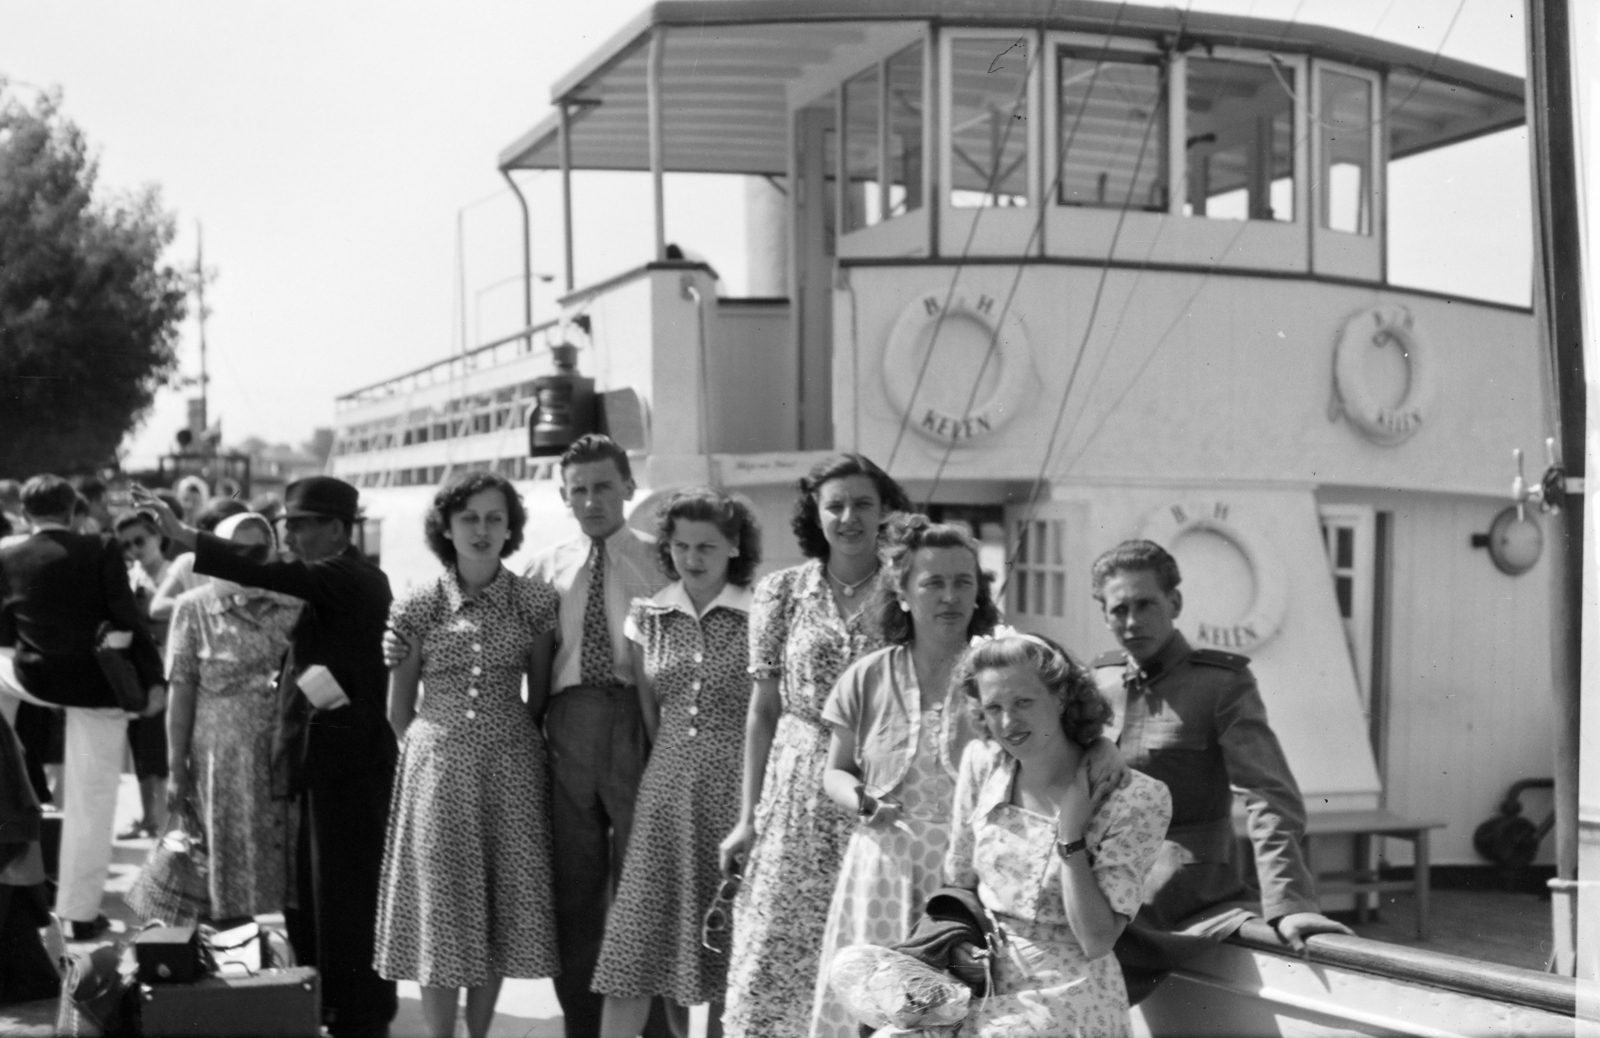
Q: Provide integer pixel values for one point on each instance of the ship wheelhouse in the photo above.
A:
(1077, 272)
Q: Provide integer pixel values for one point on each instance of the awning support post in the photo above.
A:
(527, 256)
(566, 191)
(658, 42)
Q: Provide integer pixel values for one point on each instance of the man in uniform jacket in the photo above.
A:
(1194, 719)
(337, 759)
(56, 589)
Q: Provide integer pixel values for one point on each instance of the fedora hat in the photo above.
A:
(322, 496)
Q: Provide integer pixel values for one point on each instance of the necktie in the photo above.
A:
(595, 666)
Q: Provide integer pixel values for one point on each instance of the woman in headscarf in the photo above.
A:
(223, 653)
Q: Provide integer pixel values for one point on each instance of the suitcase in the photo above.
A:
(283, 1003)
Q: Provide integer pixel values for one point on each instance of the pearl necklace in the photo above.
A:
(849, 590)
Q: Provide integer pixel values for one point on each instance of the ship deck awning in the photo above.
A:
(728, 67)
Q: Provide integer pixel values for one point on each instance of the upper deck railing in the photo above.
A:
(518, 343)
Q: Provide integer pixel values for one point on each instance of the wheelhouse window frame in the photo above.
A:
(1342, 253)
(990, 230)
(884, 231)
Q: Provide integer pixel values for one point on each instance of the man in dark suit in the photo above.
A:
(56, 589)
(335, 751)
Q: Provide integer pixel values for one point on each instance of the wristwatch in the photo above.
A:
(1067, 849)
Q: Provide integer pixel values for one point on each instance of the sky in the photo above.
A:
(341, 160)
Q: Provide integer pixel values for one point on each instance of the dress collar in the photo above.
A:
(496, 594)
(675, 597)
(996, 788)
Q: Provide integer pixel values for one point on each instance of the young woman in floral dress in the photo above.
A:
(806, 625)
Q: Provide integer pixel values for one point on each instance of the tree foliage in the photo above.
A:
(89, 312)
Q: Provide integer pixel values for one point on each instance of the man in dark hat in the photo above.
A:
(335, 751)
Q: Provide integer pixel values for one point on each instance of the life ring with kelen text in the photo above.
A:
(1012, 363)
(1377, 328)
(1264, 618)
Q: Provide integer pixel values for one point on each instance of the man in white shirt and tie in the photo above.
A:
(593, 727)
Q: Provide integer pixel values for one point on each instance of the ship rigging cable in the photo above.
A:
(966, 247)
(1105, 269)
(1212, 269)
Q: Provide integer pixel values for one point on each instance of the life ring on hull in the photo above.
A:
(1264, 618)
(971, 320)
(1378, 327)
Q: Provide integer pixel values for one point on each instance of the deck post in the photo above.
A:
(658, 42)
(566, 191)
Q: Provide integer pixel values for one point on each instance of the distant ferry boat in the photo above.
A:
(1075, 273)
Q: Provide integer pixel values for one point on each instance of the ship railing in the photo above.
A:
(534, 339)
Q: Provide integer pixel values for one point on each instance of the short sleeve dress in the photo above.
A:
(465, 894)
(228, 649)
(1044, 985)
(688, 799)
(798, 636)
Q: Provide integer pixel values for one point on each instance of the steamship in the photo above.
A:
(1076, 272)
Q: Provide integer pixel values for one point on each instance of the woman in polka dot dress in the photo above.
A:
(465, 895)
(690, 662)
(898, 735)
(806, 625)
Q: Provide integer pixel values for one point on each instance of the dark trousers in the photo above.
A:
(597, 751)
(339, 856)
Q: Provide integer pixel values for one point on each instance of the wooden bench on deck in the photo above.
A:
(1361, 881)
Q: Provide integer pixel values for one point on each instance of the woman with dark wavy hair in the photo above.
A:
(1061, 869)
(807, 624)
(465, 897)
(691, 658)
(899, 730)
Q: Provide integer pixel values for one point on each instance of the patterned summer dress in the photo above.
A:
(465, 894)
(888, 875)
(688, 799)
(230, 654)
(1044, 986)
(797, 636)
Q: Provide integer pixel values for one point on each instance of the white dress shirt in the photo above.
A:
(631, 572)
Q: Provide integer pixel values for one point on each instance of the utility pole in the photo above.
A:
(201, 313)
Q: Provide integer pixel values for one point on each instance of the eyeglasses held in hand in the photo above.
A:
(719, 917)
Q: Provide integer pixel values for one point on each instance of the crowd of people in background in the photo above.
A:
(634, 768)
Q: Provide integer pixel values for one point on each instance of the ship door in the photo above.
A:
(1350, 536)
(1047, 583)
(815, 231)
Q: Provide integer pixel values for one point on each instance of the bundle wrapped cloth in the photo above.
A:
(897, 993)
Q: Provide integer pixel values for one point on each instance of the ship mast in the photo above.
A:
(1558, 306)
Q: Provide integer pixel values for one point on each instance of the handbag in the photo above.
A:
(130, 693)
(956, 934)
(97, 1000)
(174, 885)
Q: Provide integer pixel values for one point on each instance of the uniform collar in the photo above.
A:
(497, 593)
(1171, 654)
(675, 597)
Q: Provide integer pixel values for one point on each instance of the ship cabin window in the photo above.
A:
(1111, 125)
(863, 197)
(881, 164)
(903, 113)
(988, 130)
(1345, 138)
(1240, 142)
